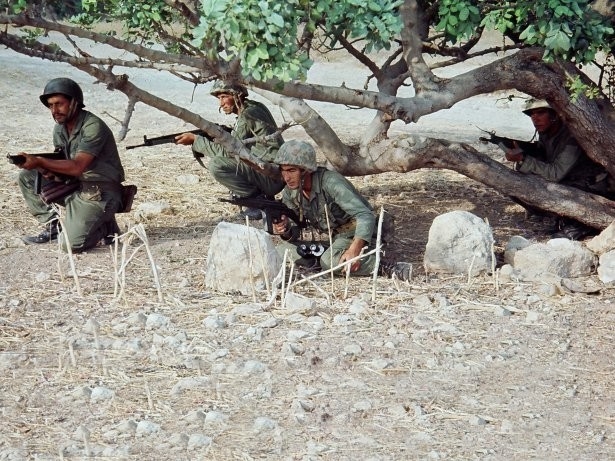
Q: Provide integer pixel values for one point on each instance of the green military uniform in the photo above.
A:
(350, 216)
(254, 120)
(563, 161)
(90, 212)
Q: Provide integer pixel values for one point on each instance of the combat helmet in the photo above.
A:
(65, 86)
(533, 104)
(297, 153)
(224, 87)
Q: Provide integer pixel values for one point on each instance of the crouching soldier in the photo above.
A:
(327, 200)
(91, 173)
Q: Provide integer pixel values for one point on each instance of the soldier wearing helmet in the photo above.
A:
(557, 157)
(91, 164)
(254, 121)
(328, 201)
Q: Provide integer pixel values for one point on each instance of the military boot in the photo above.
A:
(396, 270)
(48, 234)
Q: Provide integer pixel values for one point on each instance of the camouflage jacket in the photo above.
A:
(562, 160)
(254, 120)
(347, 209)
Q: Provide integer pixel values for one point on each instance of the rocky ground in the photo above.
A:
(123, 353)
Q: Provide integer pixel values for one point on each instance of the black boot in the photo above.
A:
(396, 270)
(50, 233)
(573, 230)
(112, 230)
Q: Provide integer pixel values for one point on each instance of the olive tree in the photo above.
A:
(269, 45)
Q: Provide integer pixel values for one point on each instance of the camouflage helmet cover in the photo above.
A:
(297, 153)
(224, 87)
(533, 104)
(64, 86)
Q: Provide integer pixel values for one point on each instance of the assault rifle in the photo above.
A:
(529, 148)
(170, 138)
(273, 210)
(57, 154)
(19, 159)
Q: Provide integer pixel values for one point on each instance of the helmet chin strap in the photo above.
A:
(72, 109)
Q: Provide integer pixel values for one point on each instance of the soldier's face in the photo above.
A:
(59, 105)
(227, 103)
(543, 119)
(292, 176)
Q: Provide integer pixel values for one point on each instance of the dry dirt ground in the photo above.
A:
(103, 360)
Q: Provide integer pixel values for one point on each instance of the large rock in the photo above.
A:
(561, 257)
(606, 269)
(240, 259)
(603, 242)
(459, 243)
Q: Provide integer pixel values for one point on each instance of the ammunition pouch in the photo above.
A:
(56, 192)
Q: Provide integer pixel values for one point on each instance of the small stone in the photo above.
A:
(263, 423)
(145, 428)
(198, 441)
(187, 179)
(100, 394)
(476, 421)
(532, 317)
(352, 349)
(500, 311)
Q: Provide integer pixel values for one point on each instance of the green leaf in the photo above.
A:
(276, 19)
(464, 14)
(374, 6)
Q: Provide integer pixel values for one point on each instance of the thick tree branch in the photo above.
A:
(422, 76)
(412, 153)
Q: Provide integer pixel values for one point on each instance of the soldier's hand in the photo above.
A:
(281, 226)
(30, 161)
(515, 154)
(185, 139)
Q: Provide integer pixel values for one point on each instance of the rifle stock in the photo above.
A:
(273, 210)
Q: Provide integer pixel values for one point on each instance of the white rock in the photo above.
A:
(241, 259)
(149, 209)
(137, 319)
(214, 322)
(606, 267)
(560, 257)
(198, 441)
(296, 335)
(515, 243)
(603, 242)
(100, 394)
(91, 326)
(296, 303)
(155, 321)
(352, 349)
(215, 417)
(362, 405)
(459, 243)
(187, 179)
(263, 423)
(254, 366)
(128, 426)
(146, 428)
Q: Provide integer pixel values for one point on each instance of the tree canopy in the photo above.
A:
(270, 45)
